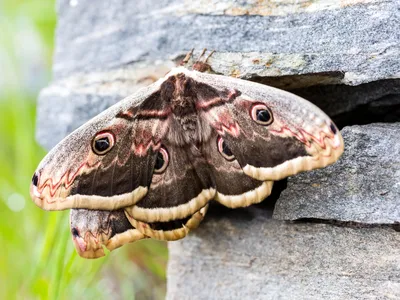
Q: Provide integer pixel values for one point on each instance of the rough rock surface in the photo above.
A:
(244, 254)
(348, 36)
(109, 50)
(363, 186)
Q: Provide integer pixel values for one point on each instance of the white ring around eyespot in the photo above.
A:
(165, 156)
(101, 135)
(220, 143)
(260, 106)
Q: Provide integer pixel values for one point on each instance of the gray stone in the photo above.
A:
(363, 186)
(244, 254)
(339, 99)
(359, 39)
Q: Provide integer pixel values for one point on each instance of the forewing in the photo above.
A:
(299, 136)
(75, 175)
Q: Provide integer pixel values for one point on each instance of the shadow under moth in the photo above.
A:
(149, 165)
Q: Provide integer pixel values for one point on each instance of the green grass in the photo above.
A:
(37, 257)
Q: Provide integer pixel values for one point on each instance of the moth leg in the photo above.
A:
(208, 56)
(203, 66)
(201, 54)
(169, 231)
(187, 57)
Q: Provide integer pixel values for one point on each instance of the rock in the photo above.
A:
(249, 38)
(363, 186)
(341, 101)
(244, 254)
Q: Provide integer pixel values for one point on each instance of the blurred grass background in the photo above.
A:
(37, 257)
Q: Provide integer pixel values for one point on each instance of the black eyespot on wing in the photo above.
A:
(159, 162)
(261, 114)
(103, 142)
(224, 149)
(75, 232)
(333, 128)
(35, 179)
(162, 161)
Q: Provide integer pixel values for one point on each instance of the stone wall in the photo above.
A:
(330, 233)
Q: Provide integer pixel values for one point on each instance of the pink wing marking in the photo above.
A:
(65, 177)
(223, 123)
(302, 136)
(137, 114)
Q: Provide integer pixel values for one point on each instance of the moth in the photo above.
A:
(156, 159)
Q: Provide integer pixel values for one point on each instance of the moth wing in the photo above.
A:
(180, 191)
(171, 230)
(292, 136)
(93, 229)
(234, 187)
(73, 175)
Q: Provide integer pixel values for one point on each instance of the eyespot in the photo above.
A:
(261, 114)
(35, 179)
(224, 149)
(162, 161)
(333, 128)
(75, 232)
(103, 142)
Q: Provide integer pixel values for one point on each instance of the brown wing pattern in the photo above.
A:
(148, 166)
(92, 230)
(272, 133)
(234, 187)
(183, 188)
(119, 178)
